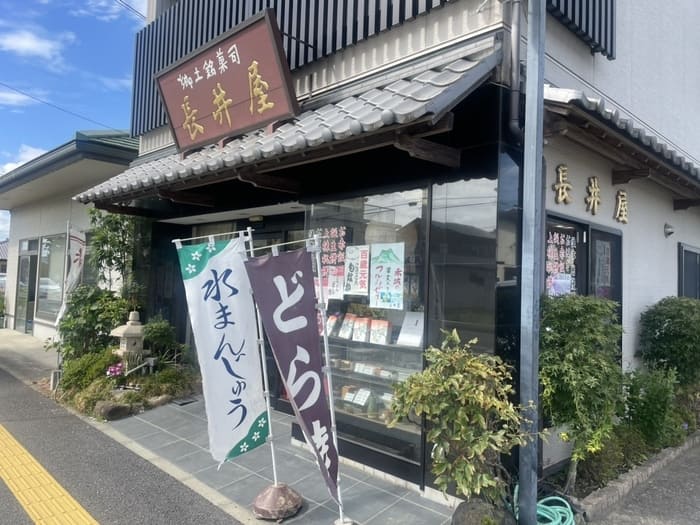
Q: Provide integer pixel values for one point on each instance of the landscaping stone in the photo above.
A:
(110, 411)
(476, 511)
(159, 400)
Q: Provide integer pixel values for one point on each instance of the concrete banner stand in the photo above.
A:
(277, 502)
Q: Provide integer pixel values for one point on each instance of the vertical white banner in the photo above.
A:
(76, 261)
(222, 314)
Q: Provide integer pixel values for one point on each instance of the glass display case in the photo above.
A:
(372, 255)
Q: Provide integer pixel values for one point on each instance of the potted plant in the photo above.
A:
(465, 400)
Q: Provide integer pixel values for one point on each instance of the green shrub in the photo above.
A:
(99, 390)
(649, 403)
(601, 467)
(80, 372)
(160, 338)
(92, 313)
(635, 449)
(669, 337)
(688, 402)
(465, 399)
(580, 371)
(173, 380)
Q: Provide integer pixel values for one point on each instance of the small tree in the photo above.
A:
(580, 372)
(669, 337)
(91, 315)
(111, 244)
(465, 398)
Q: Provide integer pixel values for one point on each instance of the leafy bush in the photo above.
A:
(92, 313)
(160, 338)
(622, 450)
(649, 403)
(465, 398)
(635, 449)
(173, 380)
(99, 390)
(580, 371)
(601, 467)
(78, 373)
(669, 337)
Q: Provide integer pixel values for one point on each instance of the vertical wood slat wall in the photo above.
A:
(310, 29)
(593, 21)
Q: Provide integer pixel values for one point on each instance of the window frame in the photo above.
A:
(682, 249)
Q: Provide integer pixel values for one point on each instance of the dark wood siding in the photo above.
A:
(310, 29)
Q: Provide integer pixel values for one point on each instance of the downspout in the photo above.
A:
(514, 109)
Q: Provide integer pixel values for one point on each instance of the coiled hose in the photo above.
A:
(551, 510)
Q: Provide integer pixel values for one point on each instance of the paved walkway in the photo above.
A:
(174, 438)
(671, 496)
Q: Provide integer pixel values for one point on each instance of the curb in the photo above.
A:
(600, 502)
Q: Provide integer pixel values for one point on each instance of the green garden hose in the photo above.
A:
(552, 510)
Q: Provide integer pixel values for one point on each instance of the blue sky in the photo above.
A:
(76, 55)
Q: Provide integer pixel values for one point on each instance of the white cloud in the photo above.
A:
(25, 154)
(28, 43)
(116, 84)
(13, 98)
(108, 10)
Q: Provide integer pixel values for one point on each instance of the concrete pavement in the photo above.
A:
(173, 437)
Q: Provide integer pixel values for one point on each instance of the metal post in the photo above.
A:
(531, 282)
(263, 360)
(329, 376)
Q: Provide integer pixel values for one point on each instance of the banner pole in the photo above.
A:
(278, 501)
(261, 353)
(66, 263)
(321, 306)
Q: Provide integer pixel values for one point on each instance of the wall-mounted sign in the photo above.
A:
(562, 187)
(231, 85)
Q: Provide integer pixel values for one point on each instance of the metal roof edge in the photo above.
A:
(82, 146)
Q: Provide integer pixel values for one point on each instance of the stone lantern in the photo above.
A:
(130, 336)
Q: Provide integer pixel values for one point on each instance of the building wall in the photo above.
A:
(649, 259)
(33, 221)
(654, 76)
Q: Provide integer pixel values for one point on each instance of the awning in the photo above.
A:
(416, 104)
(637, 152)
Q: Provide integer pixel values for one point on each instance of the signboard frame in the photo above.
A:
(176, 85)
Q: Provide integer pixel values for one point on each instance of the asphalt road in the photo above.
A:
(111, 483)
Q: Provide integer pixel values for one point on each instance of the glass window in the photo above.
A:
(581, 259)
(606, 261)
(689, 271)
(372, 258)
(52, 259)
(463, 261)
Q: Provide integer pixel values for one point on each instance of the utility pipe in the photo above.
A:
(514, 109)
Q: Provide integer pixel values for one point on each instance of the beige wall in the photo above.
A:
(33, 221)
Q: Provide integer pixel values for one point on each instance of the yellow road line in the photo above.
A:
(37, 491)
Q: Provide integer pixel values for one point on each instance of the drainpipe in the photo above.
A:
(514, 110)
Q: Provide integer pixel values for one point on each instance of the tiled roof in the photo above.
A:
(431, 92)
(615, 120)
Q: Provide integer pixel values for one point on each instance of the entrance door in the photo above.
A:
(26, 293)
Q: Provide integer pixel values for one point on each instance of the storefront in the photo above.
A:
(411, 246)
